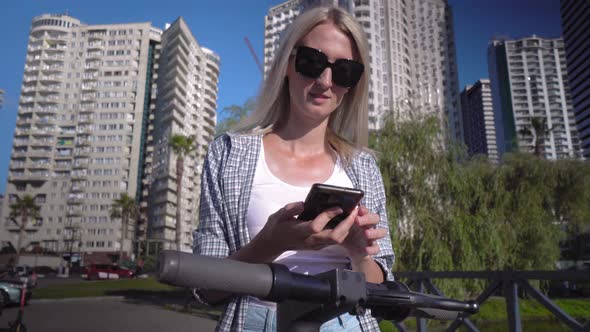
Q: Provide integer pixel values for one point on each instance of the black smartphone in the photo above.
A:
(323, 196)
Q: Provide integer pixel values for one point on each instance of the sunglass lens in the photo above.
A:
(346, 73)
(310, 62)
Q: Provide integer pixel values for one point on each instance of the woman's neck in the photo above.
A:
(299, 140)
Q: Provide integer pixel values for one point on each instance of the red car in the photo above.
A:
(105, 271)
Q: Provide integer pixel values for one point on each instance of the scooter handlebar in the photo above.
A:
(274, 282)
(196, 271)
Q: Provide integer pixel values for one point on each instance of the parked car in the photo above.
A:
(10, 293)
(12, 276)
(106, 271)
(22, 270)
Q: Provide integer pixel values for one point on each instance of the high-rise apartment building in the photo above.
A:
(86, 127)
(412, 50)
(186, 105)
(530, 80)
(575, 18)
(479, 132)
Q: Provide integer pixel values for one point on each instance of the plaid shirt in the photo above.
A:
(227, 178)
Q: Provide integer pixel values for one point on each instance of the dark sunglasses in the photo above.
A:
(311, 63)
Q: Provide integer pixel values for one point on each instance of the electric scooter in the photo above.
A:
(305, 302)
(18, 325)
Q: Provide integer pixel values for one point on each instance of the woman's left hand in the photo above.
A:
(361, 242)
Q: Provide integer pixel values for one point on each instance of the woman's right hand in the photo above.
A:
(284, 232)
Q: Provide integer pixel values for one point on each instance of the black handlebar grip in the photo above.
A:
(195, 271)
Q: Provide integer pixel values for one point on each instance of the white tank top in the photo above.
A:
(269, 194)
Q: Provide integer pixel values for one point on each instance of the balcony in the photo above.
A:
(83, 142)
(81, 164)
(50, 78)
(31, 227)
(39, 165)
(77, 175)
(42, 142)
(76, 188)
(27, 100)
(44, 121)
(56, 49)
(53, 58)
(74, 200)
(39, 176)
(14, 165)
(96, 45)
(54, 68)
(22, 131)
(77, 212)
(82, 153)
(61, 155)
(47, 110)
(86, 110)
(24, 121)
(63, 166)
(85, 120)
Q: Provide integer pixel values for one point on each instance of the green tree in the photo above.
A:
(531, 236)
(233, 114)
(570, 203)
(125, 208)
(448, 212)
(182, 146)
(23, 209)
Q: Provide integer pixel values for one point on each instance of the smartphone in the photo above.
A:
(323, 196)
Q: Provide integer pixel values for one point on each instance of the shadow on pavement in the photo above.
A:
(180, 301)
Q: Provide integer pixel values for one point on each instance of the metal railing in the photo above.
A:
(507, 282)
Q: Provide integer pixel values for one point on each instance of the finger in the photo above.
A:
(374, 234)
(373, 249)
(369, 219)
(363, 210)
(320, 222)
(342, 229)
(291, 210)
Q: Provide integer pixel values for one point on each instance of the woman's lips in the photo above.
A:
(318, 96)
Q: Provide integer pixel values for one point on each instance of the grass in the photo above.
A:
(494, 310)
(102, 288)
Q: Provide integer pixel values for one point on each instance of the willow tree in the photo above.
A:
(570, 204)
(125, 208)
(412, 159)
(21, 212)
(182, 146)
(448, 212)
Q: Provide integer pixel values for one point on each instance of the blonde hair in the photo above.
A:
(347, 126)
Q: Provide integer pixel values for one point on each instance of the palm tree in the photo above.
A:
(23, 209)
(182, 146)
(538, 130)
(125, 208)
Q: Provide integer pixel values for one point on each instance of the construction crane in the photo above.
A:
(254, 55)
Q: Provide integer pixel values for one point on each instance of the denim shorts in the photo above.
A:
(264, 319)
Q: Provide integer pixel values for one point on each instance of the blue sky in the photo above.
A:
(221, 25)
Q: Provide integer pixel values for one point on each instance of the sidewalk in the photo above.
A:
(106, 314)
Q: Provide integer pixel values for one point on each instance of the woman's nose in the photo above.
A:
(325, 78)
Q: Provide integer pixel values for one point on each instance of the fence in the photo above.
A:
(508, 283)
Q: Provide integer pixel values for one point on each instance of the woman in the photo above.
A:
(310, 126)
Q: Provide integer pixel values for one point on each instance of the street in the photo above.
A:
(104, 314)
